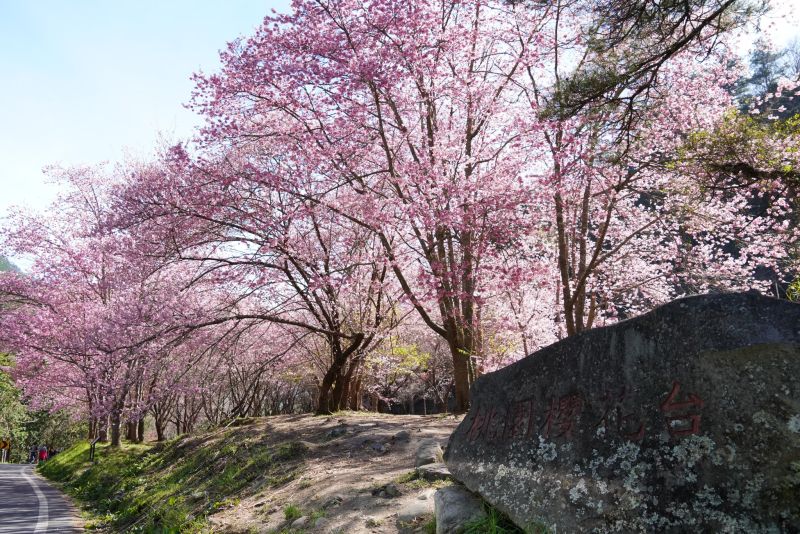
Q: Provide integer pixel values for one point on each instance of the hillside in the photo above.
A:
(260, 476)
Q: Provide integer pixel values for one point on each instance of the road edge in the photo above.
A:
(78, 523)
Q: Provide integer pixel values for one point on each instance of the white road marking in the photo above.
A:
(43, 521)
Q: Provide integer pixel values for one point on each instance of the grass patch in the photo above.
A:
(412, 480)
(171, 487)
(496, 522)
(316, 514)
(292, 512)
(407, 477)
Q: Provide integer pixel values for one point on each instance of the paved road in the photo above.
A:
(28, 504)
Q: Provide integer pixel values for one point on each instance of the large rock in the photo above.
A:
(686, 419)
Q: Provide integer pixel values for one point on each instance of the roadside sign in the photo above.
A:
(5, 444)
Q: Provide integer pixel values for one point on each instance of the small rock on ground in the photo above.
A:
(336, 500)
(336, 432)
(301, 522)
(389, 491)
(427, 494)
(455, 506)
(432, 472)
(403, 435)
(428, 452)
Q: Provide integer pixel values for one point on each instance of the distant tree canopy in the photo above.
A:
(767, 67)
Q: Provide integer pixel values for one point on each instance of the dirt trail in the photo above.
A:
(350, 458)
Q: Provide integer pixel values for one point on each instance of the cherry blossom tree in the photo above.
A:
(91, 321)
(408, 122)
(284, 260)
(444, 129)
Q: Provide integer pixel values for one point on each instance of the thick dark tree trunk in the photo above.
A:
(159, 430)
(115, 429)
(347, 385)
(330, 401)
(324, 400)
(339, 391)
(130, 431)
(355, 395)
(140, 430)
(461, 377)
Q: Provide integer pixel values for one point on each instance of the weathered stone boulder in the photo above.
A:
(686, 419)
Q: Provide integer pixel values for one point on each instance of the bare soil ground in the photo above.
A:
(349, 458)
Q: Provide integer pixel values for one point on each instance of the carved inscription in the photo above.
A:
(625, 422)
(682, 417)
(559, 417)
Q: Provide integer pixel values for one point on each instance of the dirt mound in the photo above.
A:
(356, 475)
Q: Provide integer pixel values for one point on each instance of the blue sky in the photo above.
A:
(85, 81)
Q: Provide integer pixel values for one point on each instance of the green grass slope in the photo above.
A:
(172, 487)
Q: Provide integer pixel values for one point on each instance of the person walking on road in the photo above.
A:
(33, 457)
(43, 453)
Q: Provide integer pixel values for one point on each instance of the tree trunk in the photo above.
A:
(130, 431)
(140, 431)
(115, 429)
(159, 429)
(355, 395)
(461, 376)
(324, 402)
(92, 428)
(341, 387)
(328, 401)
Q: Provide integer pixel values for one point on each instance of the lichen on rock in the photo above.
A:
(685, 419)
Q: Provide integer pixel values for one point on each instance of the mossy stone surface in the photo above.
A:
(686, 419)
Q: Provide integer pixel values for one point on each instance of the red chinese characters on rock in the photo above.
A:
(681, 416)
(492, 425)
(628, 424)
(519, 419)
(560, 419)
(562, 416)
(481, 422)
